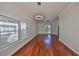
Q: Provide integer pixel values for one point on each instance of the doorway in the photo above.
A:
(47, 29)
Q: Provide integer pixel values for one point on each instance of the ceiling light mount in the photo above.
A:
(39, 3)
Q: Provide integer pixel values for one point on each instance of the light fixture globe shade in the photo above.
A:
(39, 17)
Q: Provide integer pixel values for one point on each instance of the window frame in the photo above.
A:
(19, 30)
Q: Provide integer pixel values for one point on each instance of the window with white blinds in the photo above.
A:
(11, 31)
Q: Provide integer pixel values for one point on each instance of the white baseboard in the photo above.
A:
(11, 49)
(70, 47)
(21, 46)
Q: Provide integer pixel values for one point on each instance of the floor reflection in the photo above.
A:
(47, 40)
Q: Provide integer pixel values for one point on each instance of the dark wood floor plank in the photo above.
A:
(45, 45)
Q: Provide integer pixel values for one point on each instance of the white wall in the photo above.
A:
(11, 10)
(55, 26)
(69, 27)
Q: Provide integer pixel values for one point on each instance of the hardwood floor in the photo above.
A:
(45, 45)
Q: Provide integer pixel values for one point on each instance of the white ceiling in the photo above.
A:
(48, 9)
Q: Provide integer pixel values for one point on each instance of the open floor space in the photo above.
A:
(45, 45)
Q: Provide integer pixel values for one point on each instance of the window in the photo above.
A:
(8, 33)
(11, 31)
(47, 28)
(23, 30)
